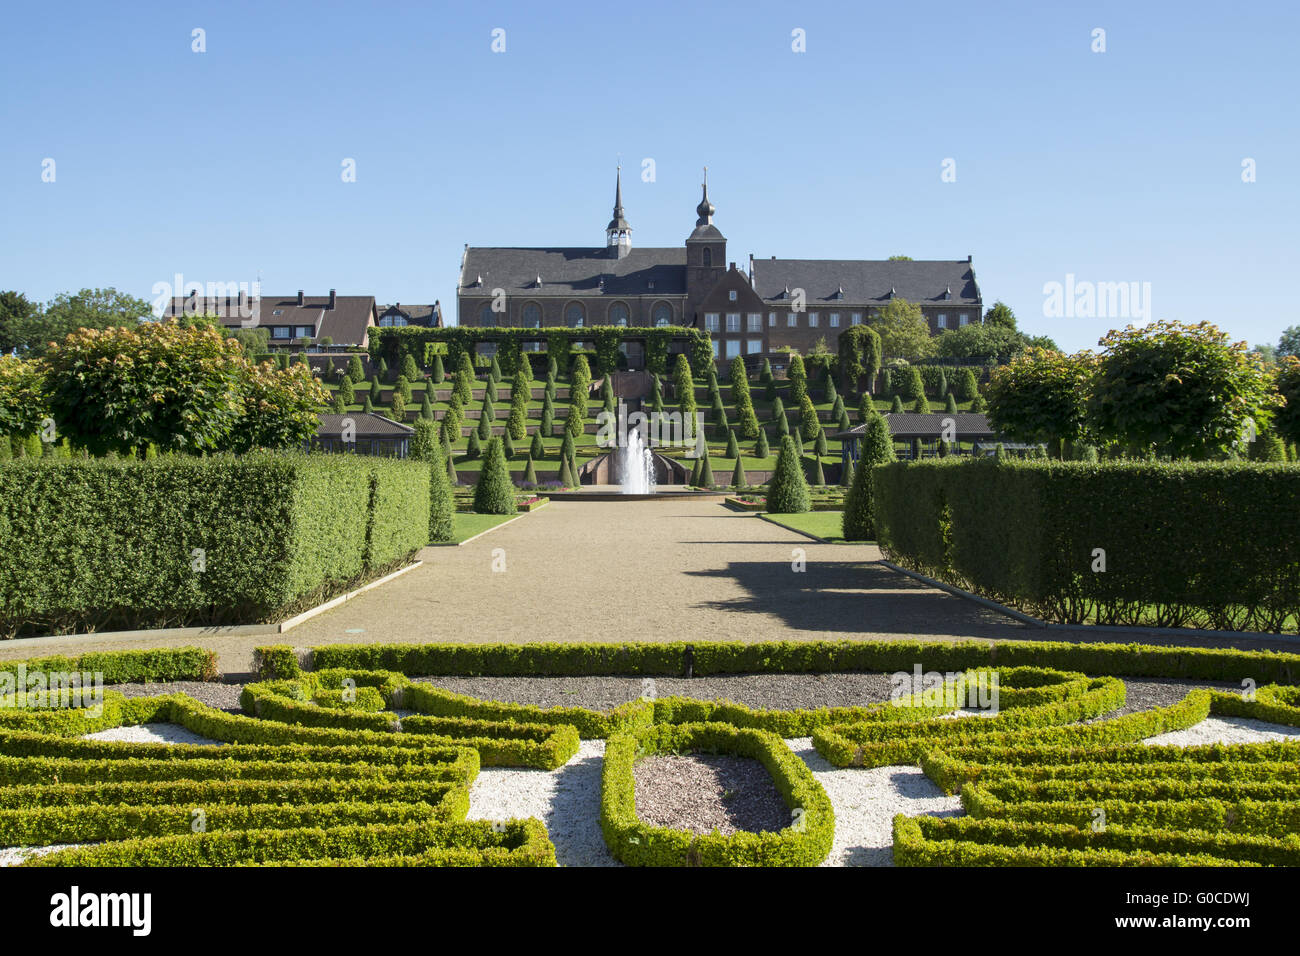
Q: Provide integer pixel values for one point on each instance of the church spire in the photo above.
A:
(618, 234)
(705, 209)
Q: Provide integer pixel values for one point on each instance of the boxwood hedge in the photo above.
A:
(806, 842)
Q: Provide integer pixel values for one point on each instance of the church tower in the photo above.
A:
(706, 252)
(618, 234)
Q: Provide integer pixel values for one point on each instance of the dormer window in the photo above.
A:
(839, 293)
(732, 295)
(708, 258)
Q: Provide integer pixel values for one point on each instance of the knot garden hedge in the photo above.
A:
(341, 758)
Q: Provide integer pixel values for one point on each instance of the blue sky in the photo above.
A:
(1122, 166)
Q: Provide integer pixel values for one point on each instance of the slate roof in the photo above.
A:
(416, 314)
(970, 426)
(366, 425)
(574, 271)
(868, 281)
(347, 323)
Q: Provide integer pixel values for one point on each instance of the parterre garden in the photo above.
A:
(340, 758)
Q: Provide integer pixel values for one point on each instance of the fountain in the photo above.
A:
(634, 464)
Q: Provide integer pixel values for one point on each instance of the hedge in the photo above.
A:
(1213, 545)
(927, 841)
(103, 544)
(393, 344)
(806, 842)
(808, 657)
(867, 745)
(499, 743)
(517, 843)
(163, 665)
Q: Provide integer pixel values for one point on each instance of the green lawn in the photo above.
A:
(468, 525)
(823, 524)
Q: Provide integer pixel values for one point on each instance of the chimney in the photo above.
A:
(300, 298)
(332, 298)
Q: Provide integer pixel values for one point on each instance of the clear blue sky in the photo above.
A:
(1118, 166)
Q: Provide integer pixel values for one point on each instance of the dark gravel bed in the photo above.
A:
(701, 793)
(221, 696)
(766, 691)
(1145, 693)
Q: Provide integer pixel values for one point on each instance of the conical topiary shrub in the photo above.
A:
(367, 406)
(896, 406)
(783, 426)
(798, 444)
(846, 474)
(566, 473)
(820, 444)
(809, 424)
(695, 473)
(495, 492)
(452, 477)
(760, 447)
(474, 449)
(787, 491)
(950, 403)
(567, 446)
(706, 472)
(537, 449)
(738, 479)
(530, 473)
(819, 476)
(494, 371)
(875, 448)
(508, 446)
(733, 449)
(442, 505)
(439, 374)
(426, 407)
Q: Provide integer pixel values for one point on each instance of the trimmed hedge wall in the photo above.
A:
(1213, 545)
(163, 665)
(806, 842)
(809, 657)
(516, 843)
(197, 541)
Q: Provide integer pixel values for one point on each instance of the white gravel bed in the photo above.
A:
(567, 800)
(865, 801)
(13, 855)
(1227, 730)
(153, 734)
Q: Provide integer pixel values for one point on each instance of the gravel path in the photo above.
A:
(865, 801)
(567, 800)
(153, 734)
(701, 793)
(214, 694)
(1227, 730)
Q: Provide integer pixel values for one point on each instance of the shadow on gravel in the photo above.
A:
(573, 819)
(852, 597)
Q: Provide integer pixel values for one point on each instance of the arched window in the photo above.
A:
(486, 317)
(663, 314)
(574, 317)
(618, 314)
(532, 316)
(708, 258)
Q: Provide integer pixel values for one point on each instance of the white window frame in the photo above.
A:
(733, 321)
(813, 319)
(963, 318)
(941, 321)
(733, 348)
(711, 321)
(281, 332)
(835, 320)
(731, 296)
(792, 320)
(771, 320)
(753, 346)
(855, 318)
(754, 322)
